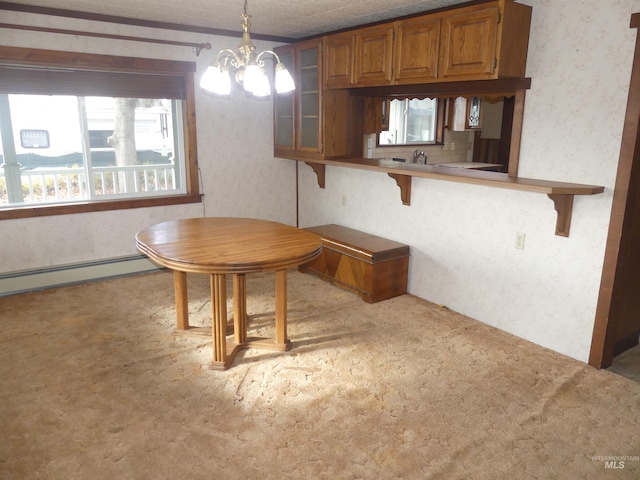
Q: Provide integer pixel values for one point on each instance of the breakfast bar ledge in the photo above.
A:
(560, 193)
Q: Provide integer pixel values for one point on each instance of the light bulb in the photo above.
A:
(251, 77)
(216, 80)
(262, 86)
(283, 81)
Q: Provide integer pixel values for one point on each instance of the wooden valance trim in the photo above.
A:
(476, 88)
(91, 61)
(52, 72)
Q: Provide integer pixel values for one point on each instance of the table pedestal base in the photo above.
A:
(225, 351)
(233, 348)
(259, 343)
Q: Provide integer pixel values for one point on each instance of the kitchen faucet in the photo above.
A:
(419, 157)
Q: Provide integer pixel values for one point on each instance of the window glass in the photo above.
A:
(411, 121)
(88, 132)
(97, 148)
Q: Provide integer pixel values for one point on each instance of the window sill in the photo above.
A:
(44, 210)
(559, 192)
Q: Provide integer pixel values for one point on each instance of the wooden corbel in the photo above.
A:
(319, 168)
(563, 203)
(404, 182)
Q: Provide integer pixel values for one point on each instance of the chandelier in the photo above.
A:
(248, 68)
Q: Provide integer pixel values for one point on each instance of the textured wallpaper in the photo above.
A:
(462, 237)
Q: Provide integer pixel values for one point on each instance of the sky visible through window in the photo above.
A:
(69, 148)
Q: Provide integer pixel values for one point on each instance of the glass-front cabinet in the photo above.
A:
(284, 108)
(309, 133)
(311, 122)
(298, 120)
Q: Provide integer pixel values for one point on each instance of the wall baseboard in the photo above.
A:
(41, 278)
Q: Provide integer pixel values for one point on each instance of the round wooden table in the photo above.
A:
(236, 246)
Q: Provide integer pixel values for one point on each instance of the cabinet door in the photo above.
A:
(284, 109)
(309, 125)
(338, 60)
(374, 47)
(417, 48)
(469, 43)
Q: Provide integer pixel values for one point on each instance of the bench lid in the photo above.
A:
(355, 243)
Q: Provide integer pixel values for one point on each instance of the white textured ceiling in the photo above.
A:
(282, 18)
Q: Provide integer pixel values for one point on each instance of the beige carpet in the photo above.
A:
(95, 386)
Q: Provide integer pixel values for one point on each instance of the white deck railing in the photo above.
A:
(45, 185)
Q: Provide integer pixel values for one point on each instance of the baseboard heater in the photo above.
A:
(61, 275)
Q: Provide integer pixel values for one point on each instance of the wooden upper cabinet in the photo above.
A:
(416, 50)
(469, 43)
(479, 42)
(309, 122)
(309, 96)
(298, 114)
(374, 56)
(284, 107)
(485, 41)
(338, 60)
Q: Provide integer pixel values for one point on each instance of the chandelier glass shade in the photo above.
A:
(248, 68)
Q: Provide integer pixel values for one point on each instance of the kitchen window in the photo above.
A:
(90, 132)
(411, 121)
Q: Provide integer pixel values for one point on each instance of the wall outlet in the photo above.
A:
(453, 145)
(519, 243)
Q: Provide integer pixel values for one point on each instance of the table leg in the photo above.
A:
(281, 307)
(242, 341)
(219, 319)
(240, 308)
(182, 302)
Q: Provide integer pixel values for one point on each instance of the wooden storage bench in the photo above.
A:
(373, 267)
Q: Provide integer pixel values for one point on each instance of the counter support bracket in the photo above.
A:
(563, 203)
(404, 182)
(319, 169)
